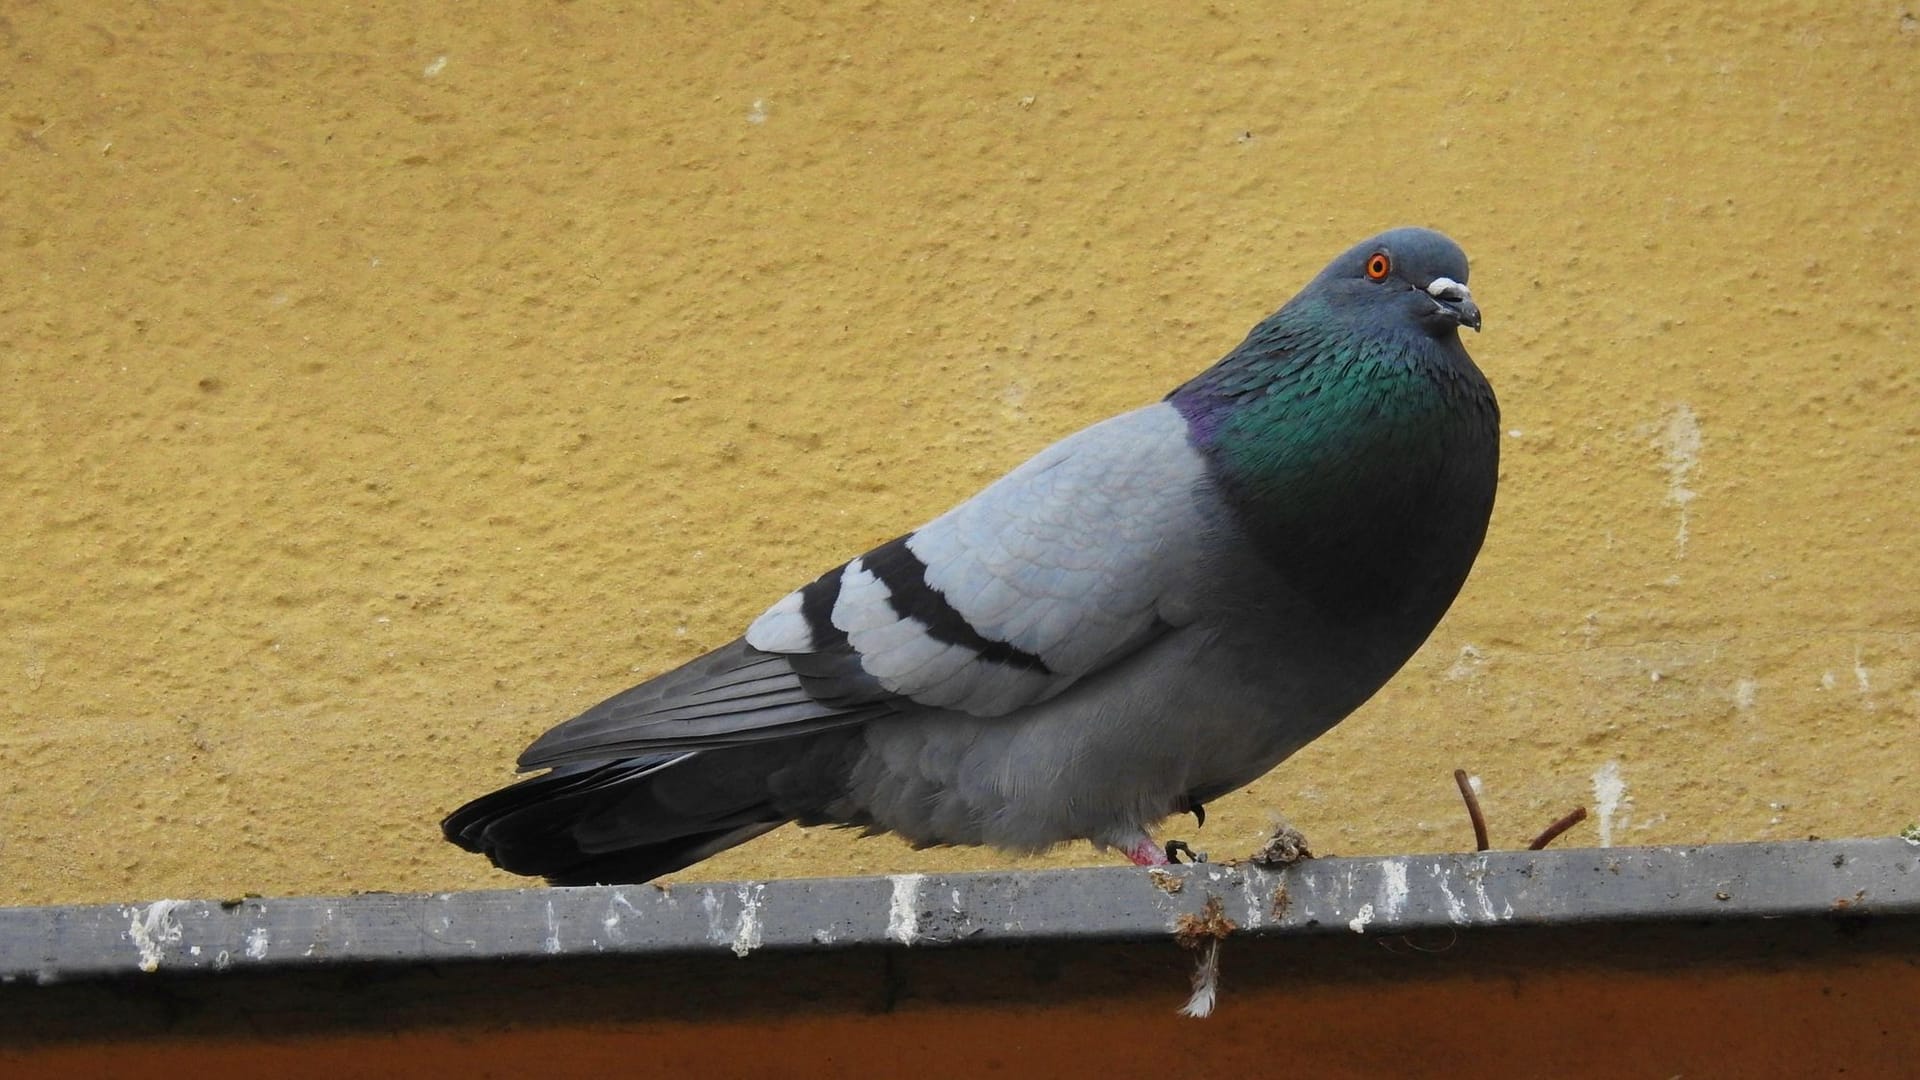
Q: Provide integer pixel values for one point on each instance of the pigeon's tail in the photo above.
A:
(620, 822)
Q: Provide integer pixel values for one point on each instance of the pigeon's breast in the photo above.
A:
(1368, 486)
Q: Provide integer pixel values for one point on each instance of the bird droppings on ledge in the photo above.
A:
(731, 913)
(903, 908)
(1358, 924)
(152, 929)
(1285, 847)
(1389, 896)
(746, 932)
(612, 924)
(1211, 924)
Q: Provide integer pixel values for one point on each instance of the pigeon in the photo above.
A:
(1145, 616)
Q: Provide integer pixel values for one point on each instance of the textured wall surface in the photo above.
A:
(384, 385)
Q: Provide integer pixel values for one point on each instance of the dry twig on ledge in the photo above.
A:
(1574, 817)
(1480, 843)
(1473, 809)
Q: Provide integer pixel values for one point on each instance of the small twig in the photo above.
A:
(1575, 817)
(1473, 810)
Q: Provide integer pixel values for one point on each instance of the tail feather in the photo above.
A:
(649, 862)
(689, 763)
(633, 819)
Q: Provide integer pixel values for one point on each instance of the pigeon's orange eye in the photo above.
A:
(1378, 266)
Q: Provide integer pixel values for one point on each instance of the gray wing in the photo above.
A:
(1074, 559)
(1059, 569)
(733, 695)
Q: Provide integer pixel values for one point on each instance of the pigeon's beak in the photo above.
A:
(1453, 298)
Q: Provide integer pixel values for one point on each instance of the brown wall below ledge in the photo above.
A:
(1857, 1019)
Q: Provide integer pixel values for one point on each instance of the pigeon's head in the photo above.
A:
(1402, 278)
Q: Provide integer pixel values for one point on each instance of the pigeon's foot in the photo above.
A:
(1176, 847)
(1146, 852)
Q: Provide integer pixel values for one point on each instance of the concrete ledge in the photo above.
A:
(1370, 896)
(1833, 926)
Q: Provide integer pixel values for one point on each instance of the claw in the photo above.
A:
(1199, 815)
(1176, 847)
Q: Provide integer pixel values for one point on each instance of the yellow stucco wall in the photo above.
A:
(384, 384)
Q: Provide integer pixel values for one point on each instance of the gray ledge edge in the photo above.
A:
(1401, 894)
